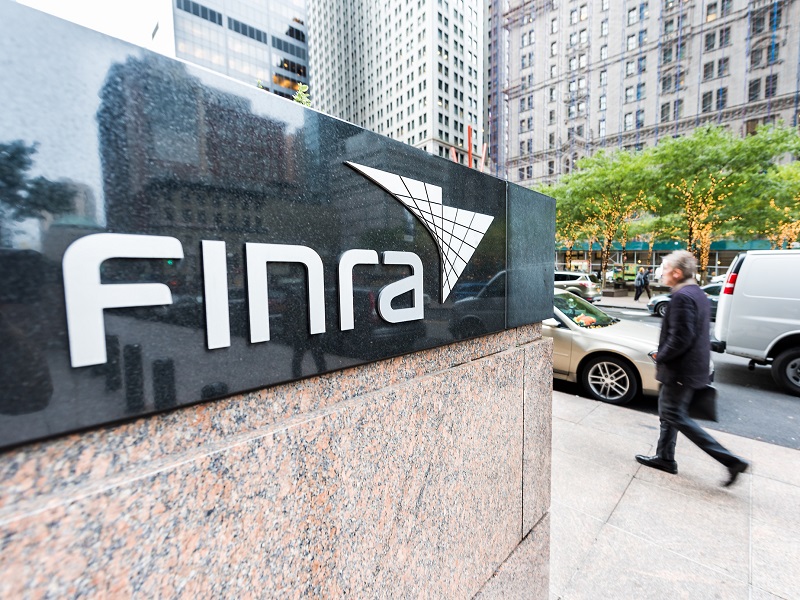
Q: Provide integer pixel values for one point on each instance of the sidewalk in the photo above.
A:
(623, 302)
(622, 530)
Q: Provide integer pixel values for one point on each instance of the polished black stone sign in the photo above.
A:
(169, 236)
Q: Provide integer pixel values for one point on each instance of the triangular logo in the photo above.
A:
(457, 232)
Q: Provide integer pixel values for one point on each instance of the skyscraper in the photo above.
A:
(409, 69)
(586, 75)
(247, 40)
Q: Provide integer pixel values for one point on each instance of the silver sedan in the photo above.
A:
(613, 360)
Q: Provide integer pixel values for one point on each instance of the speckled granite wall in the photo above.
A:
(412, 477)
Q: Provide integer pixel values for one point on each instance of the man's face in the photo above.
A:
(670, 275)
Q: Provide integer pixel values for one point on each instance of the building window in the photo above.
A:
(630, 68)
(603, 28)
(642, 37)
(551, 167)
(669, 26)
(667, 84)
(628, 122)
(573, 39)
(584, 12)
(554, 26)
(633, 16)
(711, 41)
(604, 4)
(529, 171)
(629, 94)
(601, 128)
(772, 57)
(723, 67)
(640, 91)
(551, 140)
(770, 86)
(640, 118)
(582, 61)
(725, 7)
(603, 52)
(603, 102)
(756, 56)
(552, 117)
(722, 98)
(644, 11)
(553, 71)
(665, 112)
(724, 37)
(552, 94)
(775, 17)
(754, 90)
(631, 42)
(677, 109)
(666, 55)
(553, 48)
(521, 173)
(603, 77)
(642, 64)
(573, 17)
(584, 36)
(707, 103)
(708, 71)
(711, 11)
(573, 63)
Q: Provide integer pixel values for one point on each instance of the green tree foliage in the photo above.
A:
(701, 187)
(22, 197)
(301, 96)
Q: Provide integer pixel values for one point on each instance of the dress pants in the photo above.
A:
(673, 404)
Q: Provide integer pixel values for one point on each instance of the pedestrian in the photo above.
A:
(638, 284)
(646, 285)
(682, 367)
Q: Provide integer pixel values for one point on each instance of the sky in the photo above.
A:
(133, 21)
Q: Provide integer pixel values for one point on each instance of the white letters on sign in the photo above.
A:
(86, 297)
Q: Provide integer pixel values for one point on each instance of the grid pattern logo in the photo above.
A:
(457, 232)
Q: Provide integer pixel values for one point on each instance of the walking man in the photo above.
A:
(682, 366)
(638, 284)
(646, 287)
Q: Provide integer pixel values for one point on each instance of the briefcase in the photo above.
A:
(704, 404)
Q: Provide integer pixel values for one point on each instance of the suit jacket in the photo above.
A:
(684, 348)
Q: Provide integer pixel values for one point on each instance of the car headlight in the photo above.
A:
(653, 354)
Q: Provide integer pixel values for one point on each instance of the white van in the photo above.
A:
(758, 316)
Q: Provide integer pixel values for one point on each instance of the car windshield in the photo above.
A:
(581, 312)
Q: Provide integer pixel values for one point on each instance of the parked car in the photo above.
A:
(658, 304)
(759, 313)
(585, 285)
(613, 360)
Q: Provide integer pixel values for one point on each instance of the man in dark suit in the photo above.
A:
(682, 367)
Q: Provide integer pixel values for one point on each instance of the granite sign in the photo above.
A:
(169, 236)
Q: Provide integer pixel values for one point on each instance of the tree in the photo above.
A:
(301, 96)
(25, 198)
(701, 211)
(608, 189)
(652, 228)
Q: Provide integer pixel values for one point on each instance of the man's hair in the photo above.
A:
(683, 260)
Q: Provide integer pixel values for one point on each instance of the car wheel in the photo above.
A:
(609, 379)
(661, 310)
(786, 371)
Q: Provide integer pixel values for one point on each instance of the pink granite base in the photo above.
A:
(411, 477)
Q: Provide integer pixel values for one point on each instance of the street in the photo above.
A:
(749, 402)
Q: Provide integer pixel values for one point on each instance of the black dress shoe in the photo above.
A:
(733, 472)
(656, 462)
